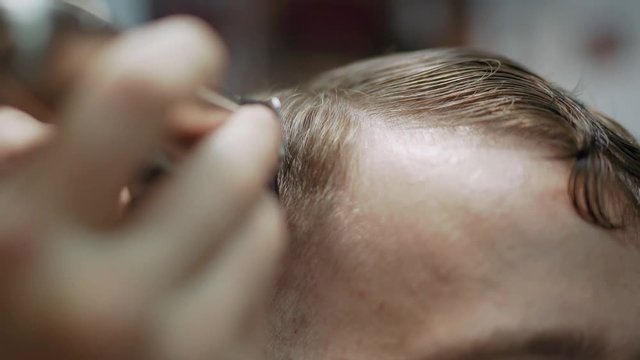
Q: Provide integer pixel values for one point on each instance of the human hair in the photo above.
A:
(451, 88)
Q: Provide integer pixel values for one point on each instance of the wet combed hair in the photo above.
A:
(451, 88)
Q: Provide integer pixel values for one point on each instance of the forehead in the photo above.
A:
(451, 236)
(443, 177)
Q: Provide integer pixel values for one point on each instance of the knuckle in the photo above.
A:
(202, 52)
(203, 37)
(179, 54)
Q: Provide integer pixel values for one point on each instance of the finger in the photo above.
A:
(231, 293)
(190, 122)
(118, 114)
(212, 193)
(20, 134)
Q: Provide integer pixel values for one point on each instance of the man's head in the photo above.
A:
(450, 204)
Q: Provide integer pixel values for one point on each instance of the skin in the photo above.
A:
(184, 274)
(446, 240)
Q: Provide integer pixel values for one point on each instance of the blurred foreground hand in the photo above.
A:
(184, 276)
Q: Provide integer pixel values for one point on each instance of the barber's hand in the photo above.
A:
(185, 275)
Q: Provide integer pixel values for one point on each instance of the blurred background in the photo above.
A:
(591, 47)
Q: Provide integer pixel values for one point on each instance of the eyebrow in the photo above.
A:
(547, 344)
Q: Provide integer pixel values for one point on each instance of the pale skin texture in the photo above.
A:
(185, 275)
(446, 240)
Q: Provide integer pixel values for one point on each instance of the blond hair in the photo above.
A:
(452, 87)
